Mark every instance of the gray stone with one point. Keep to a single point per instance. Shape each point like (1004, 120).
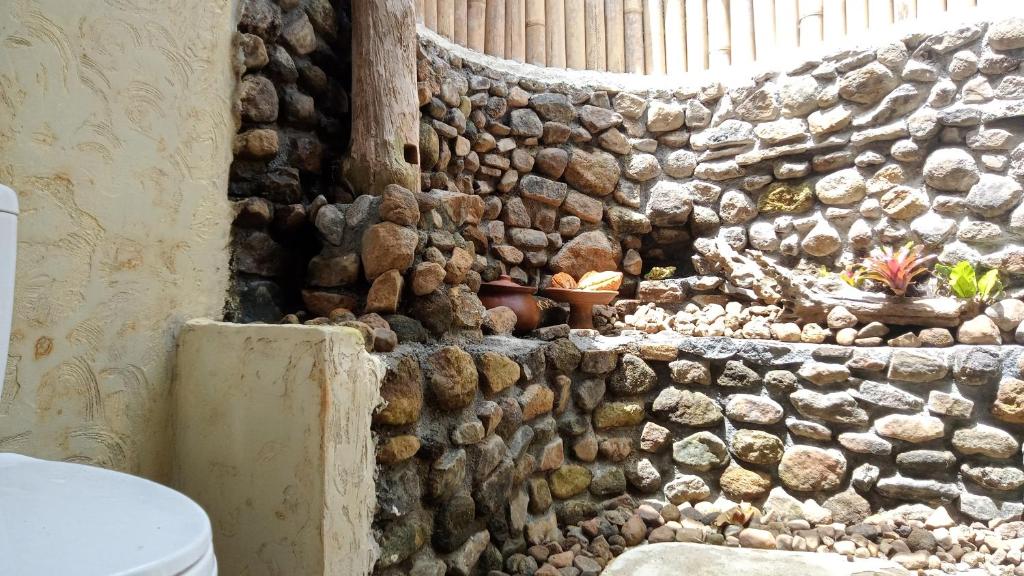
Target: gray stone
(753, 409)
(902, 488)
(701, 451)
(887, 396)
(838, 407)
(919, 366)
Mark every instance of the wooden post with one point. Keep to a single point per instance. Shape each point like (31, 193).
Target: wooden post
(879, 15)
(764, 30)
(595, 36)
(633, 20)
(741, 25)
(675, 37)
(696, 36)
(446, 18)
(495, 43)
(385, 136)
(810, 23)
(515, 31)
(535, 40)
(719, 41)
(834, 23)
(461, 22)
(654, 37)
(903, 10)
(430, 14)
(787, 36)
(856, 18)
(555, 33)
(615, 29)
(575, 35)
(476, 24)
(419, 11)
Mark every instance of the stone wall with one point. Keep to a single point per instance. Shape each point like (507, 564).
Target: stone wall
(294, 60)
(487, 449)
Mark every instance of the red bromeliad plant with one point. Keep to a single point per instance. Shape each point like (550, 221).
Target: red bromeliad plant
(896, 269)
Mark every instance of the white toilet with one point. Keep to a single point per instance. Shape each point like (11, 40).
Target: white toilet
(61, 519)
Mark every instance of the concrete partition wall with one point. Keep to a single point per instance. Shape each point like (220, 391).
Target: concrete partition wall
(273, 441)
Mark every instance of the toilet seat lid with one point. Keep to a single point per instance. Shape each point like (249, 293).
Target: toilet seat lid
(78, 520)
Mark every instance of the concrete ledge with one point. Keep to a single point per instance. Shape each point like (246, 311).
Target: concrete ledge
(273, 440)
(704, 560)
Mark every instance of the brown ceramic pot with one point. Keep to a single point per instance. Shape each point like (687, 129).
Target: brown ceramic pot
(581, 303)
(505, 292)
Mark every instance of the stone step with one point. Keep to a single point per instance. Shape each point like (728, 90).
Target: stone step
(668, 559)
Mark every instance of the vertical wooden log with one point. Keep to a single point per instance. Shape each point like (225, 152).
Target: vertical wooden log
(879, 15)
(385, 109)
(446, 18)
(675, 37)
(595, 36)
(741, 26)
(615, 29)
(696, 36)
(575, 35)
(856, 18)
(476, 24)
(419, 11)
(535, 33)
(719, 37)
(833, 23)
(810, 23)
(903, 10)
(462, 22)
(633, 21)
(430, 14)
(495, 43)
(787, 34)
(555, 32)
(515, 31)
(654, 37)
(764, 30)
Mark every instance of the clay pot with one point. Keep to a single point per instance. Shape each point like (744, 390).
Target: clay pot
(505, 292)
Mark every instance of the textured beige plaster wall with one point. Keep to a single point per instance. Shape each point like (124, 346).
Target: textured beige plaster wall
(276, 445)
(115, 130)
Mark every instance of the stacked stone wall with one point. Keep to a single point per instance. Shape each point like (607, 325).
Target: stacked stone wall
(488, 449)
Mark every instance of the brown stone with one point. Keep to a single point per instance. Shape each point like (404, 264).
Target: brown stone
(500, 320)
(499, 371)
(536, 400)
(453, 378)
(399, 205)
(592, 250)
(810, 469)
(427, 277)
(257, 144)
(397, 449)
(458, 265)
(388, 246)
(595, 173)
(402, 392)
(258, 99)
(1009, 405)
(738, 483)
(385, 293)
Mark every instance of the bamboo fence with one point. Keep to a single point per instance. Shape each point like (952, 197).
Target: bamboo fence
(670, 36)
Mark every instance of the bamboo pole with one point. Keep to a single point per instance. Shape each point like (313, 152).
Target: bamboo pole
(595, 35)
(903, 10)
(879, 15)
(741, 30)
(764, 30)
(476, 24)
(575, 35)
(833, 22)
(515, 30)
(719, 41)
(787, 35)
(555, 32)
(675, 37)
(810, 23)
(962, 6)
(419, 11)
(446, 18)
(430, 14)
(654, 37)
(696, 36)
(535, 33)
(933, 7)
(633, 21)
(615, 29)
(856, 18)
(495, 44)
(461, 22)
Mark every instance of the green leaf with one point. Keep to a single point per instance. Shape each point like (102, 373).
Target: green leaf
(962, 280)
(989, 285)
(942, 270)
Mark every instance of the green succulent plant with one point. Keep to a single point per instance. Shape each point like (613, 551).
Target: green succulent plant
(963, 281)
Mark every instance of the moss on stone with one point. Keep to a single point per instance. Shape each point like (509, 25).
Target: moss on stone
(784, 198)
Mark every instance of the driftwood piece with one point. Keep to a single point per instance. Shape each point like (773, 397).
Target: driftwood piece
(742, 271)
(813, 304)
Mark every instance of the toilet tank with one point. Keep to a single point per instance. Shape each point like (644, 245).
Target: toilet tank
(8, 251)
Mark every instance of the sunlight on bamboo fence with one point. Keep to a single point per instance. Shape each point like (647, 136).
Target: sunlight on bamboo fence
(671, 36)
